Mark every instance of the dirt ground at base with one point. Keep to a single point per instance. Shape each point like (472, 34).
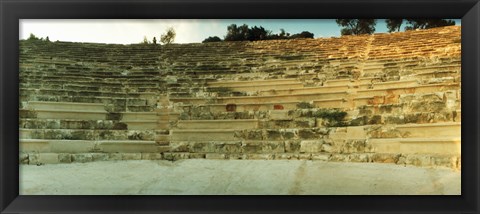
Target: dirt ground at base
(236, 177)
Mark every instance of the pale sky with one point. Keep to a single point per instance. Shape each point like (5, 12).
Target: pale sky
(128, 31)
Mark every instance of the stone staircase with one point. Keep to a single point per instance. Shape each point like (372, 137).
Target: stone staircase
(369, 98)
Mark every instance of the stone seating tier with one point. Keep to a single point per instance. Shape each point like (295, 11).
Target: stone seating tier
(84, 102)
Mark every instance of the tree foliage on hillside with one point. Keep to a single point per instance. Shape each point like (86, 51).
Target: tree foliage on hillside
(394, 24)
(427, 23)
(357, 26)
(412, 24)
(236, 33)
(212, 39)
(245, 33)
(168, 37)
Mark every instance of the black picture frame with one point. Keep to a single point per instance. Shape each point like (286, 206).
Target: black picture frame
(13, 10)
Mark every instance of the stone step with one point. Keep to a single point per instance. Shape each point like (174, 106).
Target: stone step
(332, 103)
(145, 124)
(84, 146)
(395, 84)
(70, 114)
(85, 134)
(139, 116)
(433, 68)
(202, 135)
(36, 123)
(251, 88)
(430, 130)
(253, 82)
(229, 147)
(304, 90)
(374, 100)
(66, 106)
(431, 145)
(84, 99)
(217, 124)
(263, 99)
(63, 92)
(347, 82)
(408, 90)
(269, 106)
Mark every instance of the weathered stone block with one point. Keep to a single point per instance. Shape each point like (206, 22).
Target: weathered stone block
(307, 134)
(339, 157)
(260, 156)
(279, 115)
(305, 123)
(229, 147)
(231, 107)
(176, 156)
(292, 146)
(446, 161)
(395, 119)
(305, 156)
(358, 121)
(48, 158)
(321, 157)
(385, 158)
(215, 156)
(237, 156)
(263, 147)
(375, 119)
(177, 146)
(131, 156)
(255, 135)
(65, 158)
(311, 146)
(288, 134)
(360, 158)
(326, 148)
(163, 149)
(114, 116)
(286, 156)
(273, 135)
(82, 157)
(279, 124)
(206, 147)
(100, 157)
(120, 126)
(114, 156)
(355, 146)
(419, 160)
(197, 156)
(152, 156)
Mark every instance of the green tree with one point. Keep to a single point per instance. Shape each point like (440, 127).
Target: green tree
(33, 37)
(427, 23)
(168, 37)
(212, 39)
(235, 33)
(303, 34)
(257, 33)
(357, 26)
(394, 24)
(412, 24)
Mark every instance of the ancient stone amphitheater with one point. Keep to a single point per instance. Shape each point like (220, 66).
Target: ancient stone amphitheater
(390, 98)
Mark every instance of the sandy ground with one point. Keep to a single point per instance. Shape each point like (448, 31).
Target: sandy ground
(235, 177)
